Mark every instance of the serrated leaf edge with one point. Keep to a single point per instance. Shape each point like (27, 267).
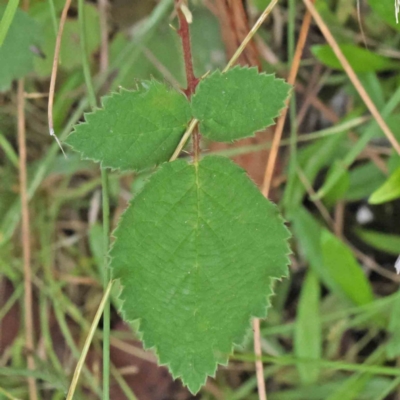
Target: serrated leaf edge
(97, 109)
(246, 326)
(251, 69)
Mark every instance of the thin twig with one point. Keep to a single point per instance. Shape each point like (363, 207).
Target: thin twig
(184, 139)
(360, 24)
(262, 391)
(26, 248)
(88, 341)
(281, 122)
(271, 165)
(54, 72)
(352, 75)
(250, 35)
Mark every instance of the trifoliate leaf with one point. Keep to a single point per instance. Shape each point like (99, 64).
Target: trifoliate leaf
(196, 252)
(134, 129)
(238, 103)
(17, 50)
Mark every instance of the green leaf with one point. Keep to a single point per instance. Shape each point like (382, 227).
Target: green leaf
(360, 59)
(16, 53)
(196, 252)
(134, 129)
(345, 270)
(308, 338)
(386, 10)
(308, 232)
(389, 191)
(393, 344)
(312, 159)
(381, 241)
(339, 189)
(7, 18)
(364, 179)
(238, 103)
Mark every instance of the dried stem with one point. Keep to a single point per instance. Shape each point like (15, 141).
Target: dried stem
(250, 35)
(281, 122)
(262, 391)
(104, 59)
(54, 71)
(352, 75)
(267, 183)
(26, 248)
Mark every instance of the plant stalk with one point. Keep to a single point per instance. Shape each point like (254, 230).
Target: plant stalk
(192, 81)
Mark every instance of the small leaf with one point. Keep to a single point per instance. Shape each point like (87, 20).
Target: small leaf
(360, 59)
(339, 189)
(389, 191)
(134, 129)
(393, 344)
(196, 252)
(238, 103)
(331, 259)
(345, 270)
(16, 53)
(382, 241)
(364, 179)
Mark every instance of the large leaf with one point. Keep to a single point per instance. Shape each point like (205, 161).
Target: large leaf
(196, 252)
(134, 129)
(360, 59)
(17, 50)
(238, 103)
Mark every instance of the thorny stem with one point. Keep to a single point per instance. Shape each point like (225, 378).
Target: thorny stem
(192, 81)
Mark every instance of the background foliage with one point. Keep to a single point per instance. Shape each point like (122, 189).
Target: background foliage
(333, 329)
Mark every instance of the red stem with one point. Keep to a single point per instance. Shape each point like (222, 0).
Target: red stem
(192, 81)
(184, 33)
